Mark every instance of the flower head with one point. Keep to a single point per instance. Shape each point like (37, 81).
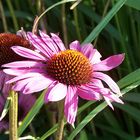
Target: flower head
(7, 40)
(68, 74)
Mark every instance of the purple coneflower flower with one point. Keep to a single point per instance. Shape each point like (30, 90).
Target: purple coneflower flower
(25, 102)
(68, 74)
(7, 55)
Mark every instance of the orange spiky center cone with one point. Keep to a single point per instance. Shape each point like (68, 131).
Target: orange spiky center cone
(7, 40)
(70, 67)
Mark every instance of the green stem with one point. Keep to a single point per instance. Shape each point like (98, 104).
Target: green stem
(64, 26)
(61, 122)
(11, 9)
(48, 9)
(103, 15)
(3, 17)
(77, 24)
(13, 115)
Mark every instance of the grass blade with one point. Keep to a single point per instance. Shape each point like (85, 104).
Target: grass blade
(95, 32)
(29, 117)
(134, 4)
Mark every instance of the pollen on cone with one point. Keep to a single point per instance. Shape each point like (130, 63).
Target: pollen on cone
(7, 40)
(70, 67)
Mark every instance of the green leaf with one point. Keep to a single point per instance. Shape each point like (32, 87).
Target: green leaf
(131, 78)
(131, 110)
(132, 97)
(50, 132)
(138, 138)
(118, 132)
(89, 12)
(6, 108)
(83, 135)
(29, 117)
(134, 4)
(95, 32)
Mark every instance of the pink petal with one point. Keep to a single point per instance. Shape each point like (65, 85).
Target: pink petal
(108, 80)
(88, 93)
(58, 42)
(115, 98)
(20, 85)
(71, 105)
(96, 83)
(39, 44)
(49, 42)
(109, 102)
(109, 63)
(110, 95)
(96, 57)
(20, 77)
(15, 72)
(88, 51)
(75, 45)
(20, 64)
(56, 93)
(36, 84)
(21, 71)
(31, 85)
(27, 53)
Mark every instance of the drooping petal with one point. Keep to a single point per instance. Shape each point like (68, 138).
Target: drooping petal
(115, 98)
(105, 92)
(56, 93)
(71, 105)
(88, 93)
(27, 53)
(75, 45)
(109, 63)
(58, 42)
(39, 44)
(21, 64)
(108, 80)
(110, 97)
(108, 102)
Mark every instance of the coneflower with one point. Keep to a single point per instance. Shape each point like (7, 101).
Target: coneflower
(7, 40)
(68, 74)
